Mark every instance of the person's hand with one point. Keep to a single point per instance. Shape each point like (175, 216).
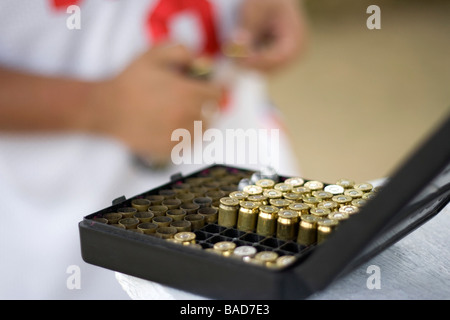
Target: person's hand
(151, 98)
(271, 32)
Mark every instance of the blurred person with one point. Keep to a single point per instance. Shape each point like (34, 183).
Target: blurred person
(77, 103)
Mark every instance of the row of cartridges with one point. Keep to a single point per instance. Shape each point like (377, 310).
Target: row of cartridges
(295, 210)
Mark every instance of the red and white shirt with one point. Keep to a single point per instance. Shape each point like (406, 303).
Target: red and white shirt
(34, 34)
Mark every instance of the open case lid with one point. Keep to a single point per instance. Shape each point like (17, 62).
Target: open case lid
(418, 190)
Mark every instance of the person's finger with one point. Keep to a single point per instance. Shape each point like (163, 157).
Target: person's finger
(284, 47)
(252, 22)
(287, 37)
(174, 54)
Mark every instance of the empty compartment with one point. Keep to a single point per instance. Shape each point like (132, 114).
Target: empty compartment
(291, 247)
(233, 233)
(240, 243)
(272, 242)
(216, 239)
(205, 245)
(213, 228)
(262, 248)
(252, 237)
(201, 235)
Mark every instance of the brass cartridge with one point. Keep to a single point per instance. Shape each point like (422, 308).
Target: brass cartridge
(320, 212)
(354, 193)
(280, 203)
(129, 223)
(342, 199)
(225, 248)
(253, 189)
(228, 212)
(369, 195)
(300, 207)
(100, 220)
(287, 225)
(185, 197)
(127, 212)
(166, 232)
(314, 185)
(158, 210)
(312, 202)
(273, 194)
(202, 201)
(247, 216)
(167, 193)
(359, 203)
(283, 187)
(324, 229)
(140, 204)
(239, 195)
(364, 187)
(345, 183)
(267, 258)
(181, 225)
(322, 195)
(349, 209)
(189, 207)
(145, 216)
(176, 214)
(260, 199)
(147, 227)
(209, 213)
(155, 199)
(198, 191)
(284, 261)
(302, 190)
(244, 252)
(197, 221)
(307, 233)
(211, 185)
(112, 217)
(215, 195)
(194, 181)
(332, 205)
(294, 197)
(162, 221)
(171, 203)
(339, 216)
(185, 237)
(294, 182)
(267, 221)
(265, 183)
(215, 205)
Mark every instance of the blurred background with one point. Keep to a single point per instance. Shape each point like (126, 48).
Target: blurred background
(359, 100)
